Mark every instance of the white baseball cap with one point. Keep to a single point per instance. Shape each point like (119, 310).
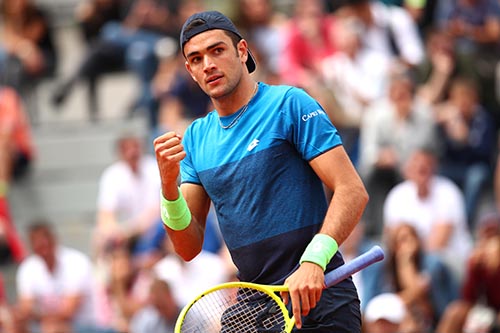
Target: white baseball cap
(386, 306)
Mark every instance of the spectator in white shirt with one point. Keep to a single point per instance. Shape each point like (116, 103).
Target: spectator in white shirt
(54, 285)
(434, 205)
(129, 200)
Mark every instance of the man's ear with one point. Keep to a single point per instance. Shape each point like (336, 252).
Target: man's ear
(243, 50)
(188, 68)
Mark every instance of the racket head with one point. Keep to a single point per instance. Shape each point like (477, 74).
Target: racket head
(236, 307)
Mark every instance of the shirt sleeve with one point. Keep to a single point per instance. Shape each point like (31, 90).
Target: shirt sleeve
(312, 132)
(23, 282)
(107, 198)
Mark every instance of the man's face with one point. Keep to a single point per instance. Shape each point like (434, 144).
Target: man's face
(214, 63)
(420, 168)
(130, 150)
(43, 244)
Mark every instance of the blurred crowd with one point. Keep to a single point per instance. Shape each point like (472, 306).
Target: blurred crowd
(413, 86)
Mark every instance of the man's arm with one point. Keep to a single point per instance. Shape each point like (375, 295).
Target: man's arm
(346, 207)
(350, 197)
(189, 240)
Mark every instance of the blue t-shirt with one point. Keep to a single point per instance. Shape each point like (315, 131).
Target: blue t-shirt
(269, 201)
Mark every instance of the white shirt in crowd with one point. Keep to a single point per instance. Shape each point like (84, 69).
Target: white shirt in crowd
(72, 276)
(445, 204)
(123, 192)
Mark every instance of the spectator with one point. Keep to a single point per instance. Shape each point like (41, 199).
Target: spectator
(390, 130)
(54, 285)
(424, 283)
(128, 44)
(124, 292)
(478, 308)
(440, 66)
(467, 133)
(161, 312)
(357, 76)
(388, 29)
(27, 51)
(475, 26)
(128, 202)
(92, 15)
(307, 41)
(179, 102)
(263, 26)
(434, 206)
(16, 155)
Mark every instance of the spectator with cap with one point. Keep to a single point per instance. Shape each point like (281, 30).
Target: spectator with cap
(384, 313)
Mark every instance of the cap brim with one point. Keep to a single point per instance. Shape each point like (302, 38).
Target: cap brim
(251, 63)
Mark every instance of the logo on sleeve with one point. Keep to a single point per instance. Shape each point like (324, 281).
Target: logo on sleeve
(313, 114)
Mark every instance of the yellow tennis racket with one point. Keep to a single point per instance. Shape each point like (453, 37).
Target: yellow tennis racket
(241, 307)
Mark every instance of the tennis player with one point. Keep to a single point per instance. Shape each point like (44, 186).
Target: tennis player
(262, 157)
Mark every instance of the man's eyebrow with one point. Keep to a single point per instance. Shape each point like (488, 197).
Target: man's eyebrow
(208, 48)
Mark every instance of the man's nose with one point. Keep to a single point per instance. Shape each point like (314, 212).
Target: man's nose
(208, 64)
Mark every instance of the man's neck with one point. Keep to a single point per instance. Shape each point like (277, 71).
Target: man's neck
(240, 96)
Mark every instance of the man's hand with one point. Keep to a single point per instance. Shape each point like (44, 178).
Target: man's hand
(304, 290)
(169, 152)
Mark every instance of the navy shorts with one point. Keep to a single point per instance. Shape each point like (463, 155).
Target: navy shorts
(338, 311)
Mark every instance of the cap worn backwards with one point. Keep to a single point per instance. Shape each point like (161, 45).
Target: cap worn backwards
(211, 20)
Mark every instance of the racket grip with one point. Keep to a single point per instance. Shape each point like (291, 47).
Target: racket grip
(371, 256)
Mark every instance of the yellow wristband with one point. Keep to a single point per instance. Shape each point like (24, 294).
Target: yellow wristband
(175, 214)
(320, 250)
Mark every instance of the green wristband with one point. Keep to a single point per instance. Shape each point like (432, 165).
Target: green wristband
(175, 214)
(320, 250)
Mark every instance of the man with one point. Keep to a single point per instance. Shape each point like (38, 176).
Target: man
(262, 157)
(127, 204)
(54, 285)
(434, 205)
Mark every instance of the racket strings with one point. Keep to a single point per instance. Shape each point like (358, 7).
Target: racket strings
(234, 310)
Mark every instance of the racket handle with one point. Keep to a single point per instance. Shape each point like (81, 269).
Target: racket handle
(371, 256)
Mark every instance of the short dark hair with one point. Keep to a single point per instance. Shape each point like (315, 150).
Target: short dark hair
(41, 225)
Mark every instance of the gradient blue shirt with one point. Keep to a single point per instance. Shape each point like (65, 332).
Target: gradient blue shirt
(268, 199)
